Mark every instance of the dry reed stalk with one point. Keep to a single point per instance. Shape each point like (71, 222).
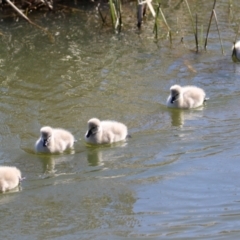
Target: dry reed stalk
(220, 39)
(205, 45)
(165, 21)
(194, 30)
(31, 22)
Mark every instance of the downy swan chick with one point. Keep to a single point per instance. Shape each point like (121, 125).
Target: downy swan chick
(185, 97)
(236, 52)
(54, 140)
(105, 132)
(10, 178)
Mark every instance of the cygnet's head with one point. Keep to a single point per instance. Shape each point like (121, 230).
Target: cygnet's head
(46, 134)
(93, 127)
(175, 93)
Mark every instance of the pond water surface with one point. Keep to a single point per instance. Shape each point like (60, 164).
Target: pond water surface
(176, 178)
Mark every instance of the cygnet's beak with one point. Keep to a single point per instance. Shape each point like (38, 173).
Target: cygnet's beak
(173, 99)
(234, 52)
(45, 142)
(89, 133)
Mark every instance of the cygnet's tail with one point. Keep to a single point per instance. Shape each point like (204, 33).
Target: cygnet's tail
(128, 136)
(21, 179)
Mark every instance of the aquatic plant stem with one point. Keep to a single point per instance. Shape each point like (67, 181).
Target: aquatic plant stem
(100, 14)
(194, 31)
(165, 21)
(18, 11)
(215, 16)
(119, 15)
(201, 36)
(155, 28)
(48, 4)
(209, 25)
(141, 11)
(26, 18)
(115, 9)
(237, 33)
(151, 7)
(113, 12)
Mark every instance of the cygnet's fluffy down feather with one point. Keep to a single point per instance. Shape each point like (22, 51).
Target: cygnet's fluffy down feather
(10, 178)
(105, 132)
(54, 140)
(185, 97)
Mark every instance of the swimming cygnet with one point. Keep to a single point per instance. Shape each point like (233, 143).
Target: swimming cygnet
(185, 97)
(10, 178)
(105, 132)
(236, 52)
(54, 140)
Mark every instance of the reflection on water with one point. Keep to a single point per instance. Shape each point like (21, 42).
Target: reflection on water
(50, 162)
(14, 190)
(97, 155)
(94, 157)
(177, 177)
(179, 116)
(9, 196)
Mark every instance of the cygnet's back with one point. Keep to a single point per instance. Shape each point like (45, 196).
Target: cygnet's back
(62, 140)
(54, 140)
(186, 97)
(9, 178)
(105, 132)
(115, 131)
(193, 96)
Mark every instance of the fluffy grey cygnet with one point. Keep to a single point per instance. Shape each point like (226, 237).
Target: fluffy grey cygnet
(54, 140)
(186, 97)
(10, 178)
(105, 132)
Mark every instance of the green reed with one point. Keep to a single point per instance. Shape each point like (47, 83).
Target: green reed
(116, 16)
(155, 29)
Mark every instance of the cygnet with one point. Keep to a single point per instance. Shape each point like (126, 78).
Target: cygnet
(54, 140)
(185, 97)
(105, 132)
(10, 178)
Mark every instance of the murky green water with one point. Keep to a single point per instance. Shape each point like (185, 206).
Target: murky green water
(176, 178)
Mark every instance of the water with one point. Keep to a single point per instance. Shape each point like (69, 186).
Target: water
(176, 178)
